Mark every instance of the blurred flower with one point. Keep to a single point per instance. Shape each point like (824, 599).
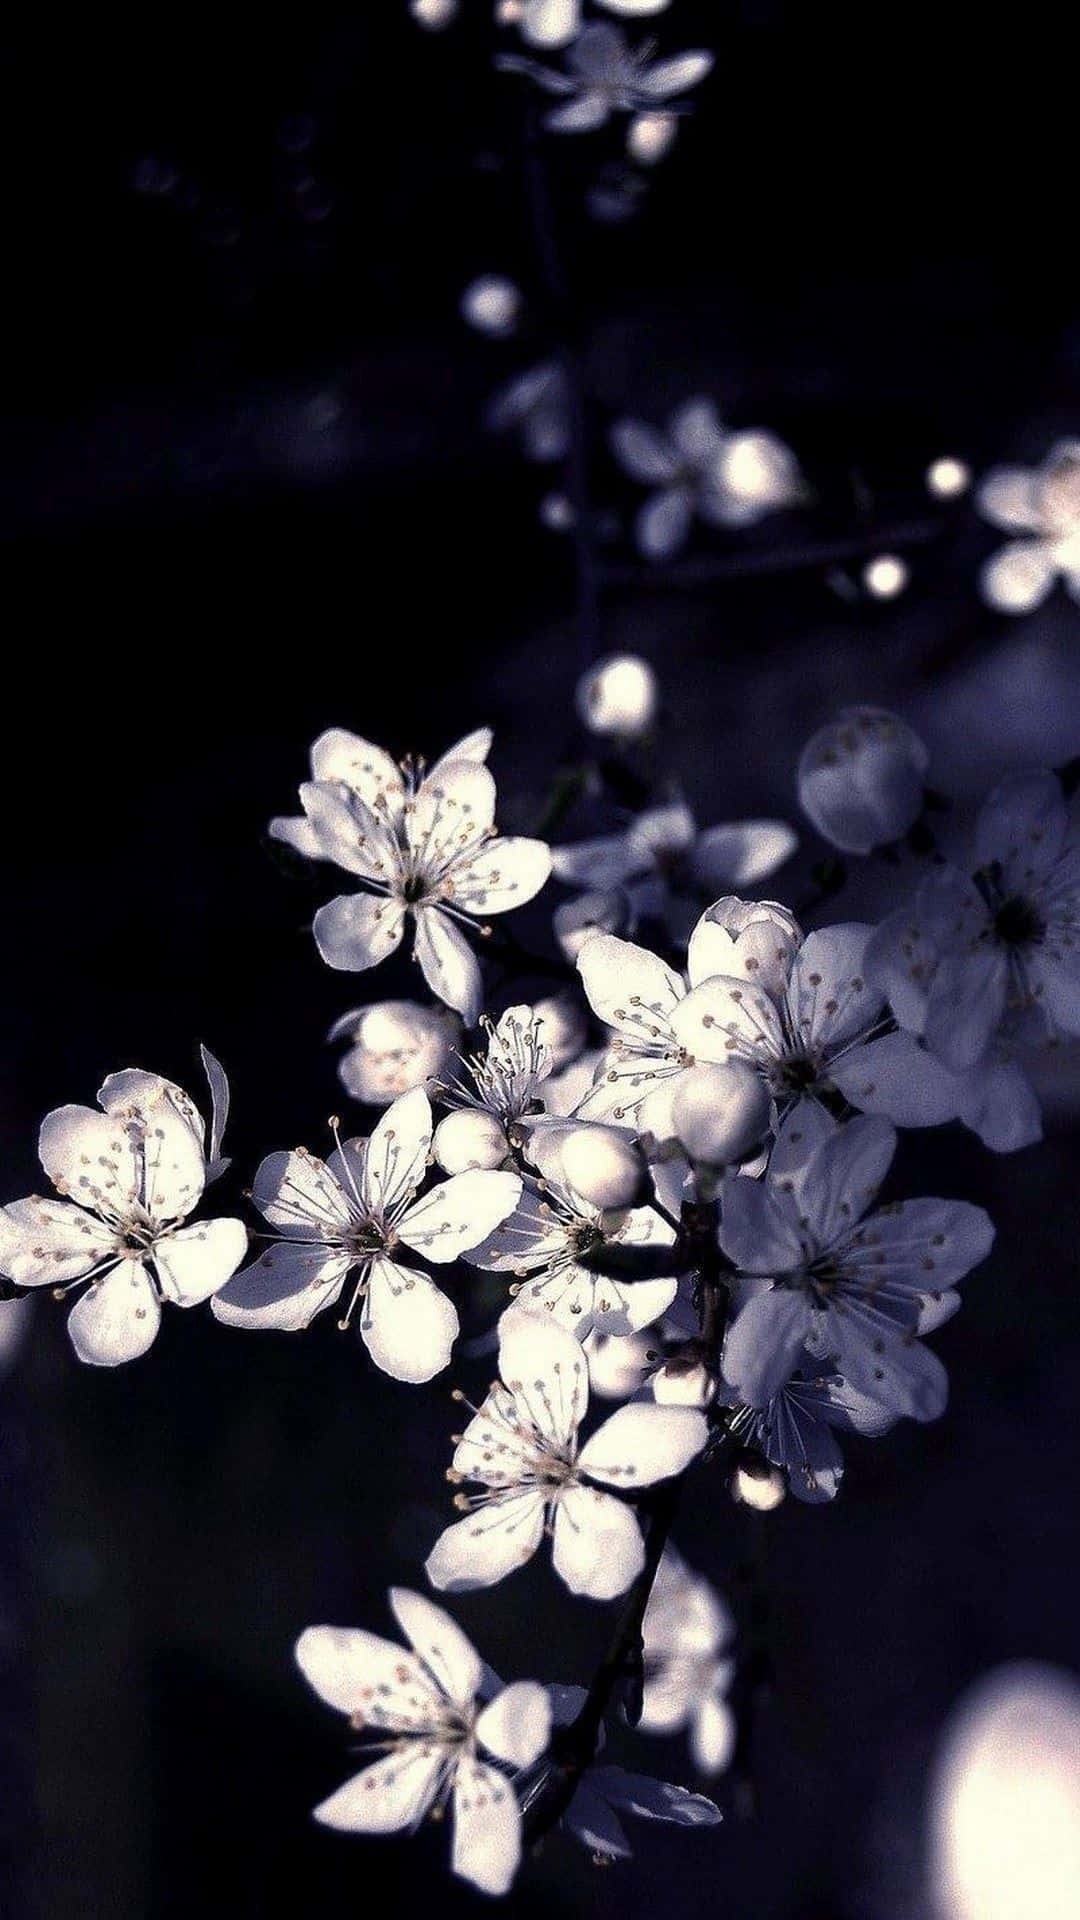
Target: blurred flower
(434, 14)
(618, 696)
(821, 1276)
(948, 478)
(131, 1175)
(604, 76)
(1005, 1799)
(667, 865)
(353, 1214)
(756, 1484)
(1043, 505)
(492, 304)
(396, 1045)
(426, 1711)
(535, 404)
(860, 779)
(699, 467)
(521, 1447)
(422, 844)
(650, 136)
(885, 576)
(685, 1630)
(548, 1241)
(577, 921)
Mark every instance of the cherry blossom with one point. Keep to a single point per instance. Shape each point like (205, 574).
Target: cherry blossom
(428, 1716)
(522, 1447)
(796, 1428)
(701, 468)
(1041, 506)
(825, 1273)
(603, 75)
(535, 405)
(423, 845)
(358, 1213)
(395, 1045)
(128, 1178)
(860, 779)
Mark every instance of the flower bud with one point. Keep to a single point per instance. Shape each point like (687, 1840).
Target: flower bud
(577, 920)
(396, 1045)
(683, 1381)
(721, 1114)
(618, 1363)
(603, 1165)
(861, 779)
(618, 696)
(492, 305)
(757, 1484)
(469, 1138)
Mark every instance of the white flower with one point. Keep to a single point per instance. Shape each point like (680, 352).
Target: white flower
(426, 1714)
(699, 467)
(357, 1213)
(396, 1045)
(1042, 504)
(604, 76)
(618, 696)
(821, 1276)
(686, 1629)
(667, 865)
(535, 404)
(645, 1002)
(549, 1240)
(522, 1447)
(421, 845)
(554, 23)
(129, 1176)
(992, 951)
(860, 779)
(505, 1079)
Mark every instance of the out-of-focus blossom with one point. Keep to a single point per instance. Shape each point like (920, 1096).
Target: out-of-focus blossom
(885, 576)
(549, 1241)
(1005, 1799)
(796, 1428)
(434, 14)
(577, 921)
(603, 75)
(522, 1448)
(698, 467)
(492, 304)
(554, 23)
(423, 845)
(667, 866)
(651, 136)
(860, 779)
(437, 1723)
(948, 477)
(685, 1633)
(129, 1176)
(824, 1274)
(1042, 506)
(535, 405)
(396, 1045)
(618, 697)
(990, 953)
(563, 1028)
(353, 1214)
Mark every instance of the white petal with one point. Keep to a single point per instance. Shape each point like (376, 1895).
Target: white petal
(597, 1547)
(438, 1640)
(501, 875)
(284, 1288)
(393, 1793)
(713, 1732)
(843, 1176)
(487, 1545)
(298, 833)
(516, 1725)
(744, 854)
(46, 1243)
(828, 988)
(751, 940)
(487, 1827)
(90, 1156)
(357, 930)
(666, 77)
(117, 1318)
(640, 1444)
(629, 988)
(367, 769)
(1018, 577)
(764, 1342)
(354, 1671)
(349, 833)
(602, 863)
(407, 1326)
(1009, 498)
(583, 115)
(459, 1213)
(397, 1153)
(453, 809)
(472, 746)
(192, 1264)
(448, 964)
(697, 431)
(662, 525)
(644, 453)
(545, 1369)
(299, 1196)
(898, 1077)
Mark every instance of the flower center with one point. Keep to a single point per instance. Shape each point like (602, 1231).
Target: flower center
(1016, 923)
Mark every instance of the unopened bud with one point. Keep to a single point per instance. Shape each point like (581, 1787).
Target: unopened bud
(469, 1138)
(603, 1165)
(757, 1484)
(721, 1114)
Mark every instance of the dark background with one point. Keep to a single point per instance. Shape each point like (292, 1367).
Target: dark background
(246, 496)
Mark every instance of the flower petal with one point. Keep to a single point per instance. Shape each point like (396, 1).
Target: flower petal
(284, 1288)
(439, 1642)
(397, 1153)
(361, 1674)
(448, 964)
(644, 453)
(629, 988)
(117, 1318)
(47, 1243)
(91, 1157)
(764, 1342)
(393, 1793)
(459, 1213)
(516, 1725)
(192, 1264)
(487, 1827)
(597, 1549)
(408, 1326)
(358, 930)
(1019, 577)
(640, 1444)
(501, 875)
(487, 1545)
(743, 854)
(299, 1196)
(547, 1373)
(662, 524)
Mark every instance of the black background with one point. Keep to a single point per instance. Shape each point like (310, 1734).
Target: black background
(247, 496)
